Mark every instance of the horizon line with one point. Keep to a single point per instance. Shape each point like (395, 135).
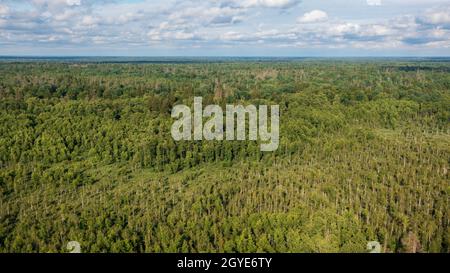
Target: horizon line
(223, 56)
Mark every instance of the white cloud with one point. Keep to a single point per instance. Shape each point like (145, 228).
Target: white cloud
(89, 20)
(437, 16)
(4, 10)
(73, 2)
(378, 30)
(415, 2)
(313, 17)
(374, 2)
(217, 24)
(56, 3)
(204, 14)
(270, 3)
(344, 28)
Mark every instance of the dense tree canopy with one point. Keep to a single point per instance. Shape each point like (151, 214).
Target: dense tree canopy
(86, 154)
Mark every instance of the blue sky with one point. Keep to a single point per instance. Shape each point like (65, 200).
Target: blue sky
(225, 27)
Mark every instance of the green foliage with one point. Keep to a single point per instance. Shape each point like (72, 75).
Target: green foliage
(86, 155)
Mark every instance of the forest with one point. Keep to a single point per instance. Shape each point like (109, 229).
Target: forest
(86, 155)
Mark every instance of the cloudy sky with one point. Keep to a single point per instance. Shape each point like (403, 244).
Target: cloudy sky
(225, 27)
